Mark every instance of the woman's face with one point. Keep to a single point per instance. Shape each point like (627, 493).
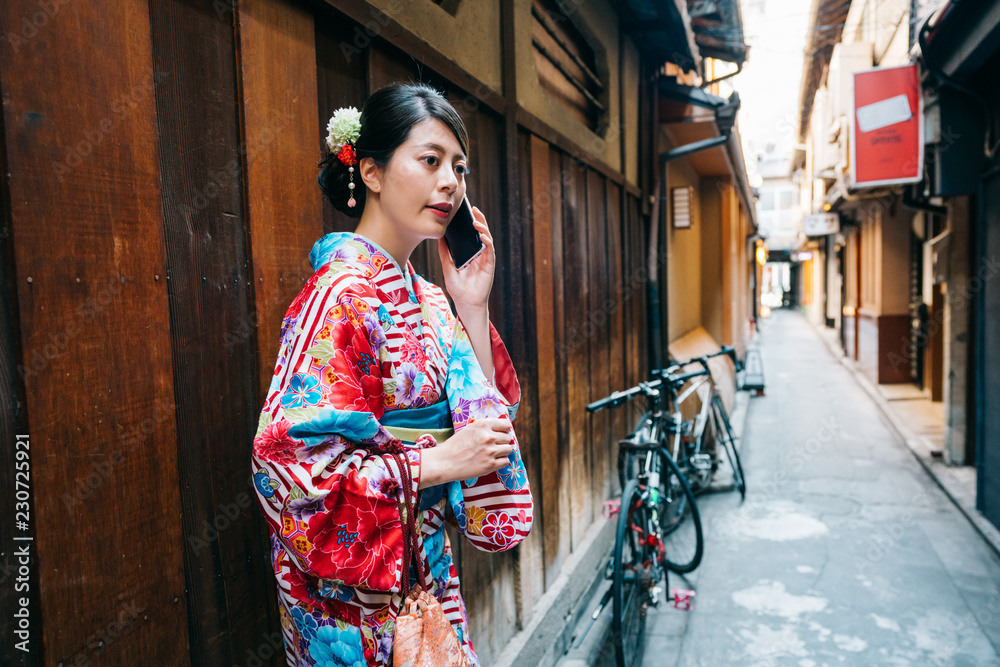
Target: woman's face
(427, 170)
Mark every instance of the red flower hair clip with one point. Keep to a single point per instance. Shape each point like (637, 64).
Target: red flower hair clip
(347, 155)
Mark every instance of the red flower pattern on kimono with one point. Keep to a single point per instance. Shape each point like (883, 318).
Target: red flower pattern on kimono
(358, 385)
(412, 351)
(274, 444)
(357, 538)
(498, 528)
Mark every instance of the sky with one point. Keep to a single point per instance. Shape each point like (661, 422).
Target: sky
(769, 83)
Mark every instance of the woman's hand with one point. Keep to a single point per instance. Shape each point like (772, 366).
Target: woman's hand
(470, 287)
(478, 449)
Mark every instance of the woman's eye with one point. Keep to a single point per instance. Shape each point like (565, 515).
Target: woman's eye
(462, 169)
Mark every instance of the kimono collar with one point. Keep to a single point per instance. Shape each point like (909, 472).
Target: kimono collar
(365, 255)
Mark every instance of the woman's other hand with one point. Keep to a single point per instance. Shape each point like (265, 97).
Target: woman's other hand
(470, 287)
(478, 449)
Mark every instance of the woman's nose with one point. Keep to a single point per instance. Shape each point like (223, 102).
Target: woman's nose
(448, 180)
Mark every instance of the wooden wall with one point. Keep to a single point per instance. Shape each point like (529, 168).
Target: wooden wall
(157, 211)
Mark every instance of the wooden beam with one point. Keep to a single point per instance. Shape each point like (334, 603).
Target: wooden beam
(278, 85)
(548, 399)
(577, 346)
(597, 328)
(559, 280)
(230, 585)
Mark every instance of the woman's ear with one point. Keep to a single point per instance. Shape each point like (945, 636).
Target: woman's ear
(371, 173)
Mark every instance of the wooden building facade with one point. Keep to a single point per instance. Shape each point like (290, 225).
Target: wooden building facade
(158, 205)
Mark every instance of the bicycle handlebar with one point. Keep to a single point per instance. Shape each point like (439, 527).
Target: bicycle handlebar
(619, 397)
(727, 350)
(648, 388)
(678, 380)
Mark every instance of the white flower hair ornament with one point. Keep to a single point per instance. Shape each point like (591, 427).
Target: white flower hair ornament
(343, 131)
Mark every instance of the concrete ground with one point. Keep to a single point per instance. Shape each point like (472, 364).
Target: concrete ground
(845, 551)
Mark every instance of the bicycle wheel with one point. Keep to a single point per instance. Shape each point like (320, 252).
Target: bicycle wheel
(633, 564)
(724, 433)
(680, 521)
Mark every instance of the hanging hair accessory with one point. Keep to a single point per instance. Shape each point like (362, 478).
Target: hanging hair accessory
(343, 131)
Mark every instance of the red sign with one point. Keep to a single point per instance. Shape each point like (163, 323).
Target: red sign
(887, 133)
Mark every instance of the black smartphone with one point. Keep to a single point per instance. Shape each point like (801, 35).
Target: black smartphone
(463, 239)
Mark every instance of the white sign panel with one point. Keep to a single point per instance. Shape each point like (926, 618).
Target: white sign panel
(885, 113)
(820, 224)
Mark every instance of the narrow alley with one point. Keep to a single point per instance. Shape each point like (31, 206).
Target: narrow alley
(334, 326)
(845, 550)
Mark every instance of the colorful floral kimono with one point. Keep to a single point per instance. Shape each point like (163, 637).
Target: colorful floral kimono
(364, 345)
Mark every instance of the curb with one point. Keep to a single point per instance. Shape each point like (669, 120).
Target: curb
(939, 471)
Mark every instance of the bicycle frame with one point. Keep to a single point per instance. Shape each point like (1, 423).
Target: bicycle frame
(698, 461)
(668, 400)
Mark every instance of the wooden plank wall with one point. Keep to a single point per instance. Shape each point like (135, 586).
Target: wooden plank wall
(575, 266)
(621, 294)
(13, 428)
(90, 270)
(278, 82)
(342, 83)
(529, 344)
(564, 510)
(227, 561)
(599, 287)
(180, 188)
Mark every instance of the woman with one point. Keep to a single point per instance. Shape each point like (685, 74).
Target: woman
(387, 415)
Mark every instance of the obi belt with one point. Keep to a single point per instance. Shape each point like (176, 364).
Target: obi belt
(408, 425)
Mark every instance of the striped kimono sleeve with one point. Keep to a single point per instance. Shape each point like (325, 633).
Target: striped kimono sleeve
(328, 491)
(495, 510)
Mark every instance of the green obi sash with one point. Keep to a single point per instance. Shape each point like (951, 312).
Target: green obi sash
(408, 425)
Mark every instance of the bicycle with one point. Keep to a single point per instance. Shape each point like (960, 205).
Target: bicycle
(656, 506)
(690, 449)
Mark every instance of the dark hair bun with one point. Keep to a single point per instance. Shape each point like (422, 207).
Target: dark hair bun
(333, 180)
(387, 117)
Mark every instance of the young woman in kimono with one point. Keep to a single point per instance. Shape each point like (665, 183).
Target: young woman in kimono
(387, 414)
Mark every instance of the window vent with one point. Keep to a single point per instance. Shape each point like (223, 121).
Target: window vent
(682, 199)
(567, 63)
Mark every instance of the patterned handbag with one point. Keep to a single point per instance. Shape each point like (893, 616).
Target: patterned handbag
(424, 636)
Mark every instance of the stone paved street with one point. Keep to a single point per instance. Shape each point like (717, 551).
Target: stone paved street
(845, 551)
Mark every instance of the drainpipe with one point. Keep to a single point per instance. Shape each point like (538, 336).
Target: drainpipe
(739, 68)
(655, 343)
(688, 149)
(658, 220)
